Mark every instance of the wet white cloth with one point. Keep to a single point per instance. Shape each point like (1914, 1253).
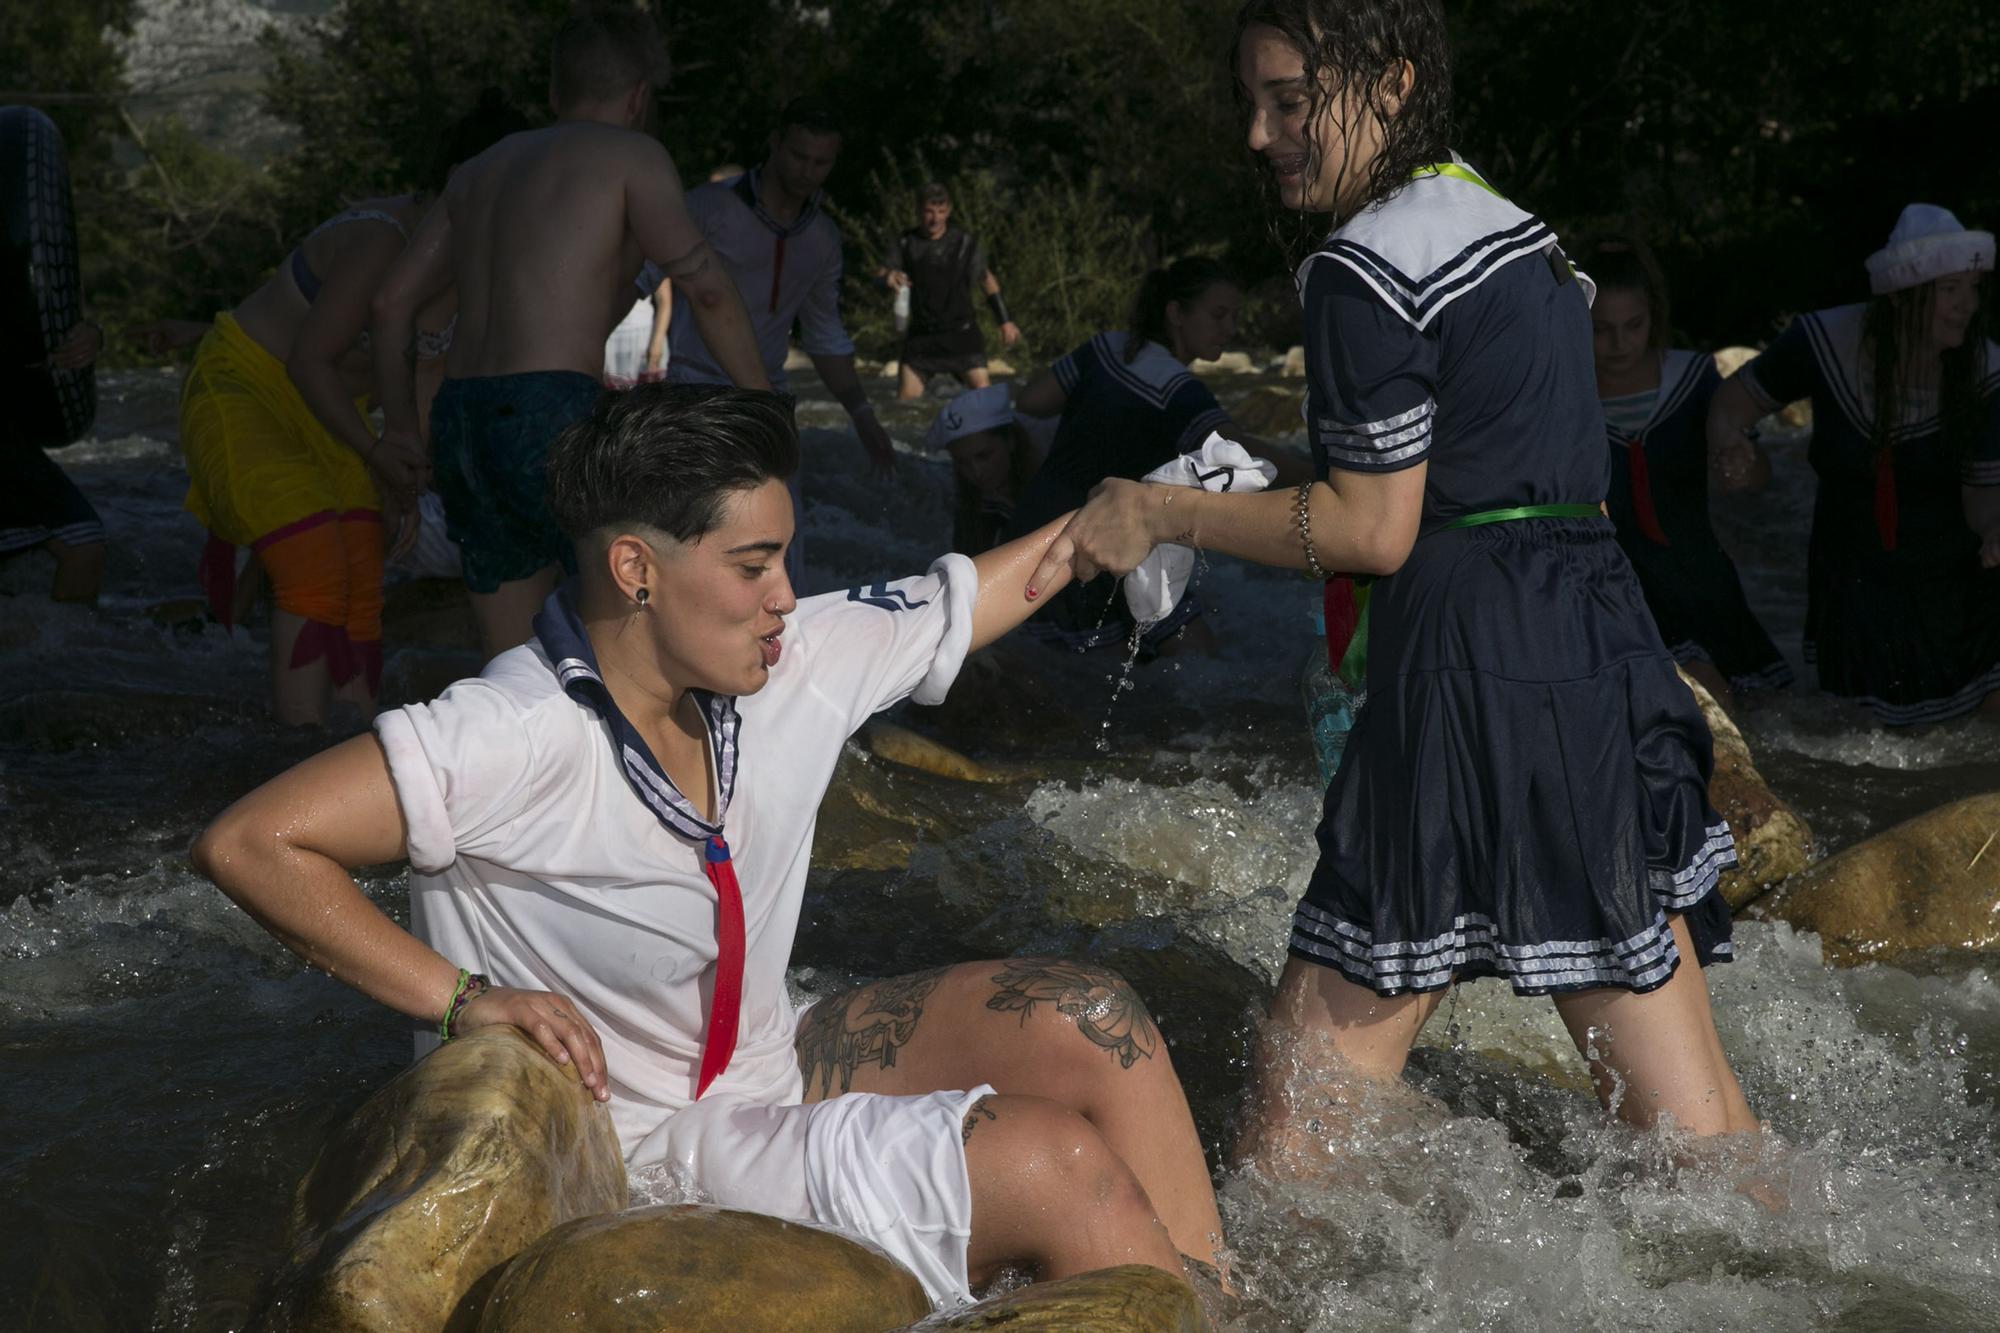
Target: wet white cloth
(625, 349)
(533, 861)
(1155, 587)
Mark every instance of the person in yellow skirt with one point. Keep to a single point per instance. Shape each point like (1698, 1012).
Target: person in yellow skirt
(281, 458)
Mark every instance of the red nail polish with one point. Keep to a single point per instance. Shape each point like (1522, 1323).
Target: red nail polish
(1032, 594)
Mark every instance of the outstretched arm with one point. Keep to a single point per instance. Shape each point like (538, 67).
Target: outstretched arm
(844, 383)
(421, 272)
(656, 210)
(1360, 523)
(1004, 572)
(1734, 459)
(282, 852)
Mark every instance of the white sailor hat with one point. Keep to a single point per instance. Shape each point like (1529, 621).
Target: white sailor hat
(1928, 243)
(973, 411)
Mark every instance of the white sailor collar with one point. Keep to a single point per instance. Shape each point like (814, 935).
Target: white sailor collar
(1434, 240)
(1835, 338)
(560, 630)
(1681, 372)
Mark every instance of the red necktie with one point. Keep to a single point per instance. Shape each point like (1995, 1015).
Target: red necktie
(720, 1043)
(1642, 493)
(1343, 617)
(1886, 518)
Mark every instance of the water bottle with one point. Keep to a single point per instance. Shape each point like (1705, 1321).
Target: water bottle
(1330, 705)
(903, 308)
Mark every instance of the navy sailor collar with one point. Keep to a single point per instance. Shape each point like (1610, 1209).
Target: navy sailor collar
(560, 632)
(745, 188)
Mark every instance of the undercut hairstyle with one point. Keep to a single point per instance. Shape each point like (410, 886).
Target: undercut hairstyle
(812, 113)
(934, 193)
(1182, 281)
(1625, 263)
(492, 119)
(1357, 47)
(1896, 322)
(668, 457)
(602, 52)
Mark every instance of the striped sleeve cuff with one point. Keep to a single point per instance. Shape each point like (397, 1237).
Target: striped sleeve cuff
(1981, 472)
(1748, 374)
(1196, 431)
(1391, 442)
(1065, 372)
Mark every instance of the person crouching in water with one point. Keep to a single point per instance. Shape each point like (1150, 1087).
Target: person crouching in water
(1903, 570)
(609, 832)
(991, 459)
(1656, 401)
(1525, 793)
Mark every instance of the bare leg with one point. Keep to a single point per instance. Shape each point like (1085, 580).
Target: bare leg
(79, 571)
(1657, 1054)
(1049, 1193)
(1713, 681)
(506, 616)
(298, 694)
(1072, 1033)
(1330, 1047)
(909, 384)
(977, 378)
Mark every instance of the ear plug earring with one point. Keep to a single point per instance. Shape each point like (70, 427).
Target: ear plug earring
(640, 596)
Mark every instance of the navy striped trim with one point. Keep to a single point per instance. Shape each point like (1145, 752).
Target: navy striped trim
(1774, 676)
(1420, 299)
(1391, 439)
(1133, 378)
(1066, 371)
(1640, 963)
(1679, 377)
(1197, 430)
(1981, 472)
(74, 534)
(1960, 702)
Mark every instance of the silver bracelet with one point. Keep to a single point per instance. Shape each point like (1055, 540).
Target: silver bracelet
(1313, 565)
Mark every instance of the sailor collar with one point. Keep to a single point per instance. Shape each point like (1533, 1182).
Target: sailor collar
(1439, 237)
(560, 632)
(744, 187)
(1680, 373)
(1835, 338)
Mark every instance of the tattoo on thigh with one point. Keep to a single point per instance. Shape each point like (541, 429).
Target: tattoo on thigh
(973, 1116)
(1105, 1007)
(864, 1026)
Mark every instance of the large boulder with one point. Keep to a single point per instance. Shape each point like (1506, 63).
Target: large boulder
(1130, 1299)
(1928, 883)
(457, 1165)
(691, 1268)
(1772, 839)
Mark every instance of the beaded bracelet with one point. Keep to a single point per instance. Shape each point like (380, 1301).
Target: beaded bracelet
(1313, 565)
(471, 985)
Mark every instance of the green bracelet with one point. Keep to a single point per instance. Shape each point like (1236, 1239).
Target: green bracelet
(470, 986)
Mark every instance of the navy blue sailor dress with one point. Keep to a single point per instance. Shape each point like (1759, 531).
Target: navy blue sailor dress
(1525, 792)
(1900, 617)
(1659, 503)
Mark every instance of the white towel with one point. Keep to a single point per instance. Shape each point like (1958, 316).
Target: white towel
(1153, 589)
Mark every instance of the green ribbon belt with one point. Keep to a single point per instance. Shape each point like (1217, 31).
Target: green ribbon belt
(1354, 662)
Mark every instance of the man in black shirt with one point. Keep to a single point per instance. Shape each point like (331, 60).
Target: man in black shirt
(939, 263)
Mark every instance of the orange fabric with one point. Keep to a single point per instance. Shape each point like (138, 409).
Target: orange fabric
(328, 569)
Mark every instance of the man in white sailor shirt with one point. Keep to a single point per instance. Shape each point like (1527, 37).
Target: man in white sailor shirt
(609, 832)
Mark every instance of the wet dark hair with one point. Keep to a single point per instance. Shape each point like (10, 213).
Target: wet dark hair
(1358, 44)
(812, 113)
(601, 52)
(492, 119)
(1627, 264)
(1897, 321)
(668, 456)
(1181, 281)
(933, 193)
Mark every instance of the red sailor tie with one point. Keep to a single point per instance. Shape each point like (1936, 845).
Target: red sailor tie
(1642, 493)
(720, 1043)
(1887, 519)
(1343, 617)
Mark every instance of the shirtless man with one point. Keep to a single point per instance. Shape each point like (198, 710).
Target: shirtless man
(543, 234)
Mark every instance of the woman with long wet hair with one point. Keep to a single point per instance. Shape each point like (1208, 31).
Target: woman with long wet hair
(1525, 791)
(1903, 582)
(1656, 400)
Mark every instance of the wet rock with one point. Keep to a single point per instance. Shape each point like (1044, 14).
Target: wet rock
(998, 366)
(1130, 1299)
(449, 1171)
(693, 1268)
(1269, 410)
(1772, 839)
(1929, 883)
(1293, 366)
(1229, 363)
(900, 745)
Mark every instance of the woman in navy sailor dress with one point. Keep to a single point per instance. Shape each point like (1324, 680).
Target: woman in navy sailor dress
(1655, 401)
(1903, 565)
(1524, 794)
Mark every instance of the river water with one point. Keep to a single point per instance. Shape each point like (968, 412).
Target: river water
(169, 1071)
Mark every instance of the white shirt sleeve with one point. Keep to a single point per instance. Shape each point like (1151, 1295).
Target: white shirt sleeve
(820, 330)
(464, 769)
(868, 648)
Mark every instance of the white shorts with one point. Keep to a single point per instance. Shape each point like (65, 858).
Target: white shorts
(890, 1170)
